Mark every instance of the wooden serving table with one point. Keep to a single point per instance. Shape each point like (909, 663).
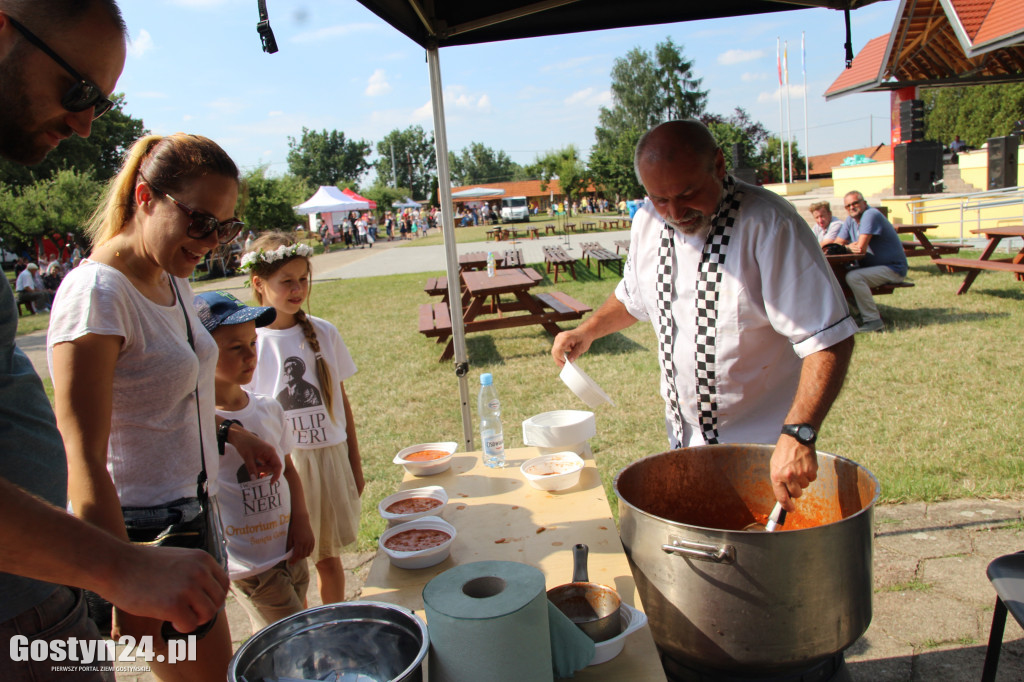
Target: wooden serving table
(498, 515)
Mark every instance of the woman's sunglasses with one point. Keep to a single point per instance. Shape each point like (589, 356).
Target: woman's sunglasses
(84, 94)
(201, 224)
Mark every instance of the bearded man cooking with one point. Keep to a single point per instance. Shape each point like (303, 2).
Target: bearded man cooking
(754, 334)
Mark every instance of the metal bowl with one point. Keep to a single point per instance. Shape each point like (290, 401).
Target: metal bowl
(364, 641)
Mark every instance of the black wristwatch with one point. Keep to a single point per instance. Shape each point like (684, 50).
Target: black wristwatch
(804, 433)
(222, 433)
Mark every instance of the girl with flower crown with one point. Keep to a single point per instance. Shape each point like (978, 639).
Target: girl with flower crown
(304, 363)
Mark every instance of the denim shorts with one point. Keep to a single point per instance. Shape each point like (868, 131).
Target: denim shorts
(57, 618)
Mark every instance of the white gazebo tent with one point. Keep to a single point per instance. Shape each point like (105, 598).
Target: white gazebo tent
(328, 199)
(478, 193)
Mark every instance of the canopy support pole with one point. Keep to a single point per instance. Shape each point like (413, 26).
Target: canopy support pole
(444, 185)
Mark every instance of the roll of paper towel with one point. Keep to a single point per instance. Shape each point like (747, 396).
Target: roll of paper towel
(488, 622)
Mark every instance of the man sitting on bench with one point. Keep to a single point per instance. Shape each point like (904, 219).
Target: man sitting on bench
(884, 263)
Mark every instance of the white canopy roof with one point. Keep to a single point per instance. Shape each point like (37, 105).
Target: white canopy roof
(406, 203)
(475, 192)
(329, 199)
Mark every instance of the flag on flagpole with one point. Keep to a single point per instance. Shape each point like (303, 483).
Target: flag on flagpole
(785, 63)
(803, 53)
(778, 58)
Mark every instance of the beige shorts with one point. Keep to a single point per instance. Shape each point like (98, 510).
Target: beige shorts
(276, 593)
(331, 498)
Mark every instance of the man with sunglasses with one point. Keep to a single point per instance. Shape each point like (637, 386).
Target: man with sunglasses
(869, 232)
(59, 61)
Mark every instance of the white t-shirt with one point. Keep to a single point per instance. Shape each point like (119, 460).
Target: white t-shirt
(153, 452)
(829, 233)
(286, 371)
(256, 513)
(778, 303)
(26, 281)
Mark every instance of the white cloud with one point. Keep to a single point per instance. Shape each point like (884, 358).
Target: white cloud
(795, 92)
(424, 113)
(484, 103)
(588, 97)
(329, 32)
(377, 84)
(739, 56)
(141, 44)
(458, 97)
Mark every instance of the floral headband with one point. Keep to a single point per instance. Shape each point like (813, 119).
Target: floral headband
(280, 253)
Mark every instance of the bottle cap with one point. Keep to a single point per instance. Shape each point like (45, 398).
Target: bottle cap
(486, 379)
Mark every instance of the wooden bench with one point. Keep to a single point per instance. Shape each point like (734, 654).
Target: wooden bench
(589, 226)
(549, 229)
(495, 233)
(570, 227)
(889, 288)
(601, 255)
(555, 256)
(435, 321)
(436, 286)
(563, 304)
(513, 259)
(964, 264)
(534, 232)
(622, 244)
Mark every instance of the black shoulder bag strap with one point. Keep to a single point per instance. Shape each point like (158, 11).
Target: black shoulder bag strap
(202, 486)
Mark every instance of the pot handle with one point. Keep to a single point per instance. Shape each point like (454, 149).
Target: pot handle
(719, 554)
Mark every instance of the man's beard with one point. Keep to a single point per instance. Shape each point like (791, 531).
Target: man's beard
(701, 221)
(17, 141)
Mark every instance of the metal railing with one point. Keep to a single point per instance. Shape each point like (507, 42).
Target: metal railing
(961, 205)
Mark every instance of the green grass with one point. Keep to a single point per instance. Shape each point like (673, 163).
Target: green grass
(914, 585)
(932, 406)
(478, 233)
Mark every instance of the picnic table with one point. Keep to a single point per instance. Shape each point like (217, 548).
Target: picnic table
(477, 260)
(601, 255)
(611, 222)
(622, 244)
(556, 257)
(482, 295)
(498, 516)
(923, 246)
(549, 229)
(842, 263)
(973, 266)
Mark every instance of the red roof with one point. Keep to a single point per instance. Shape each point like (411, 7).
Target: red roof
(865, 70)
(972, 14)
(822, 164)
(519, 188)
(1004, 19)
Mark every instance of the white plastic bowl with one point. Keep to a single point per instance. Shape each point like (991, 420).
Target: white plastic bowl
(430, 467)
(432, 491)
(562, 429)
(425, 557)
(632, 620)
(585, 388)
(559, 471)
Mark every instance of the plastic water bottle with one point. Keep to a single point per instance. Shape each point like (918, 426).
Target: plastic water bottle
(491, 435)
(490, 273)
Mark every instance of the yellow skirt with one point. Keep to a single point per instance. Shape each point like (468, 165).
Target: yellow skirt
(331, 497)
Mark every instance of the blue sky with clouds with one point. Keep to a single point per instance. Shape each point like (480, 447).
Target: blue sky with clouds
(197, 66)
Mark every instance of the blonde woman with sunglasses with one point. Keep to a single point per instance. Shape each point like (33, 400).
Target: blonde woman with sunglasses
(133, 368)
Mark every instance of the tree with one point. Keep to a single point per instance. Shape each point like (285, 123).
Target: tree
(99, 155)
(413, 152)
(758, 150)
(327, 158)
(975, 113)
(564, 164)
(265, 203)
(479, 164)
(385, 195)
(647, 89)
(48, 208)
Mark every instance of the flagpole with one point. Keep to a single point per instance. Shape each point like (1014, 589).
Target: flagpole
(807, 125)
(789, 110)
(782, 118)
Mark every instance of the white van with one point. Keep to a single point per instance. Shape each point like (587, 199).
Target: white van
(514, 209)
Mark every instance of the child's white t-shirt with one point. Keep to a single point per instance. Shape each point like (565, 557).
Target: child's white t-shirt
(255, 513)
(286, 371)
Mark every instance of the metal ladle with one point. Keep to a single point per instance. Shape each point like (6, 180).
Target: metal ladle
(592, 607)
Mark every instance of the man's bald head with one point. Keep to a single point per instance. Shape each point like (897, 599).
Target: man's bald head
(684, 141)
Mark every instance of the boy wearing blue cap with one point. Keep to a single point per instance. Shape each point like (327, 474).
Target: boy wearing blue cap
(266, 525)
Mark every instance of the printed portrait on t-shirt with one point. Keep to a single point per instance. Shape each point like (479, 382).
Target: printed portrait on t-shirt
(298, 392)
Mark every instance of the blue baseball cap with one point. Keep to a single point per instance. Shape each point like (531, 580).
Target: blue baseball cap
(215, 308)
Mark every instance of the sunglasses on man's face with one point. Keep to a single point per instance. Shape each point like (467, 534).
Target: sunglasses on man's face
(852, 204)
(84, 94)
(201, 224)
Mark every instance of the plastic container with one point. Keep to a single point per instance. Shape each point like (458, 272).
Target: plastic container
(559, 471)
(632, 620)
(585, 388)
(435, 492)
(424, 557)
(562, 429)
(490, 264)
(427, 467)
(492, 438)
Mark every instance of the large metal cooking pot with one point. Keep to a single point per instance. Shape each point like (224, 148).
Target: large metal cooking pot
(365, 641)
(724, 599)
